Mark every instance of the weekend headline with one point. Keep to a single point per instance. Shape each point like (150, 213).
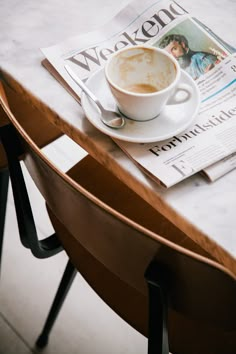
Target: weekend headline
(150, 28)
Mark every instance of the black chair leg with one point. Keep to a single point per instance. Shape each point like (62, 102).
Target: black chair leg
(4, 182)
(158, 307)
(64, 287)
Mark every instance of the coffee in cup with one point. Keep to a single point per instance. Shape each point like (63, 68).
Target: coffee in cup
(143, 79)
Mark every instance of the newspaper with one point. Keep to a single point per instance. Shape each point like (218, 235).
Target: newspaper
(209, 144)
(220, 168)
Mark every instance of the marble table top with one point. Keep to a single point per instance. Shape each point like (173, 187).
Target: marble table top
(205, 211)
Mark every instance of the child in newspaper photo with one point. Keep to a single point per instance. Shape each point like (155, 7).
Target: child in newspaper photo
(196, 52)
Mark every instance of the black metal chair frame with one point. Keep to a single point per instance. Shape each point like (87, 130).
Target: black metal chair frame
(27, 229)
(158, 306)
(4, 182)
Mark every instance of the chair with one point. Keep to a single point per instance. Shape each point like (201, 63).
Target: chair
(160, 288)
(34, 123)
(182, 300)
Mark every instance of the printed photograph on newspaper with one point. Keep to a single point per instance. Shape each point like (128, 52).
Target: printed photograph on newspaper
(195, 51)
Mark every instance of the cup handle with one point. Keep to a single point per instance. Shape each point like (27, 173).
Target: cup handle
(176, 98)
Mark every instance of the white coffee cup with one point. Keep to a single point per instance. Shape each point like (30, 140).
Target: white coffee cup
(143, 79)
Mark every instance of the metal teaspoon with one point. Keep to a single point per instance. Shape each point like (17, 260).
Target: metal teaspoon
(111, 119)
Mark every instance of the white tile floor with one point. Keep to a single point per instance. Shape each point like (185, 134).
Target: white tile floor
(85, 325)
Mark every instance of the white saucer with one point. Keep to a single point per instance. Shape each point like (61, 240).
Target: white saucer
(173, 119)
